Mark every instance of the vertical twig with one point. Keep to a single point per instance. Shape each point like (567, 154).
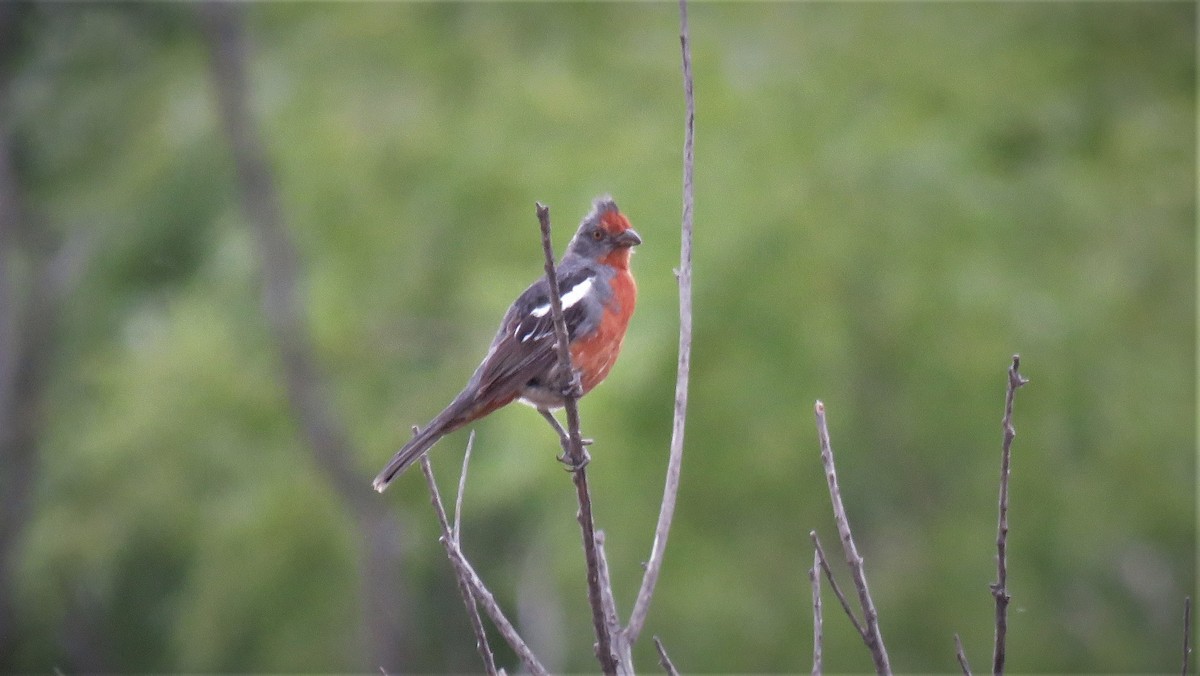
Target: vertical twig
(961, 655)
(622, 647)
(1000, 587)
(873, 638)
(450, 538)
(814, 578)
(664, 659)
(662, 530)
(462, 488)
(1187, 632)
(575, 457)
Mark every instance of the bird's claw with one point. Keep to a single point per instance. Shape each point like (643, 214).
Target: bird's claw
(573, 389)
(571, 466)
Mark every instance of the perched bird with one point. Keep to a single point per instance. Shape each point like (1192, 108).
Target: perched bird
(598, 295)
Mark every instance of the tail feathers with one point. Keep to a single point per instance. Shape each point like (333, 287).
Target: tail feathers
(408, 454)
(465, 408)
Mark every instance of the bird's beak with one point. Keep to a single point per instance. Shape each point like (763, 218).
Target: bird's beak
(628, 238)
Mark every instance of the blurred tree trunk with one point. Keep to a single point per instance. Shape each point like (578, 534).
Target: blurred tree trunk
(38, 270)
(383, 597)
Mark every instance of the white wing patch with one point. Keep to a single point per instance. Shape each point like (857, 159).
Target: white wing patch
(569, 299)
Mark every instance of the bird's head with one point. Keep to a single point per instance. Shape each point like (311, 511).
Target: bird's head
(605, 235)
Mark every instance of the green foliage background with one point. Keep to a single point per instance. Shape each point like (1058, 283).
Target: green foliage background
(891, 200)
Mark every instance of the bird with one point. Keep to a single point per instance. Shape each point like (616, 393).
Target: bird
(598, 295)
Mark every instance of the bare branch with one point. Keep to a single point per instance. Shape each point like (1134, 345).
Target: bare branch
(662, 530)
(622, 647)
(1187, 632)
(872, 637)
(833, 583)
(814, 578)
(575, 457)
(1000, 587)
(462, 488)
(484, 596)
(664, 659)
(450, 538)
(962, 656)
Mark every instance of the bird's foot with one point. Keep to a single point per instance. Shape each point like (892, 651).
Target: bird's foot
(571, 465)
(573, 389)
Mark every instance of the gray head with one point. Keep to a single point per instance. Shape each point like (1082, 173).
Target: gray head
(604, 232)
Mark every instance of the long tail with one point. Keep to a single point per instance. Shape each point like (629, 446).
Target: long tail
(461, 411)
(410, 453)
(466, 407)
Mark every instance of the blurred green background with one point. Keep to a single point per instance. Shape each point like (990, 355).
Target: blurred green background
(891, 200)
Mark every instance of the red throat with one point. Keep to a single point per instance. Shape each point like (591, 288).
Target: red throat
(618, 258)
(615, 223)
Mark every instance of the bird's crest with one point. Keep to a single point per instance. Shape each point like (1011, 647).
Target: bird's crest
(605, 211)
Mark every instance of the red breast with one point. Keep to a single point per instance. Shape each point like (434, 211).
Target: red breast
(595, 354)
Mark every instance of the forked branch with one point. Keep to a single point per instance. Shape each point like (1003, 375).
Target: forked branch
(872, 636)
(450, 538)
(474, 590)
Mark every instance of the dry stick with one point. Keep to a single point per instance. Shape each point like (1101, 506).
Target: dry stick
(663, 659)
(662, 530)
(574, 455)
(1187, 632)
(450, 539)
(873, 638)
(462, 488)
(1000, 587)
(485, 597)
(962, 656)
(814, 577)
(820, 552)
(622, 647)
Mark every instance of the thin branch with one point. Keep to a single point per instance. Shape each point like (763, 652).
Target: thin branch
(662, 530)
(833, 583)
(962, 656)
(622, 647)
(574, 455)
(1187, 632)
(873, 638)
(484, 596)
(814, 578)
(462, 488)
(664, 659)
(1000, 587)
(450, 537)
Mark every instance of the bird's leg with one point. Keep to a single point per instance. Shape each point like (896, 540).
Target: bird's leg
(562, 434)
(565, 440)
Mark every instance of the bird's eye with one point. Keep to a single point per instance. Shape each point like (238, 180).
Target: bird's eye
(597, 235)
